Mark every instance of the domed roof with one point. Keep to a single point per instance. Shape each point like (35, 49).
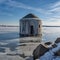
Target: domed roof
(30, 16)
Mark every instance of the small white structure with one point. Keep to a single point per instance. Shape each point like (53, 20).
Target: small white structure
(30, 25)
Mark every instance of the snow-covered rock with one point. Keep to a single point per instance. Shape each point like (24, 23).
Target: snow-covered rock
(39, 51)
(50, 55)
(57, 40)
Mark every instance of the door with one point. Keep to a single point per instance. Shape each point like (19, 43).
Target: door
(31, 30)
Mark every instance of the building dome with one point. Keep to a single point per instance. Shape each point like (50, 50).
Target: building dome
(30, 16)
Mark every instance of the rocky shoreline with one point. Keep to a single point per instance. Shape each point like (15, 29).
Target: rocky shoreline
(42, 50)
(34, 51)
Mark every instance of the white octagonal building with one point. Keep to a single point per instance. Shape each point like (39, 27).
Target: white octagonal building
(30, 25)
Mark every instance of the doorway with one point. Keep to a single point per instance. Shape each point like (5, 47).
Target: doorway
(31, 30)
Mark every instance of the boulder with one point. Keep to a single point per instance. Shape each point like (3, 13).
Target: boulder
(57, 40)
(48, 43)
(57, 53)
(54, 45)
(39, 51)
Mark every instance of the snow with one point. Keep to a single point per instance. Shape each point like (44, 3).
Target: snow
(57, 48)
(50, 54)
(6, 57)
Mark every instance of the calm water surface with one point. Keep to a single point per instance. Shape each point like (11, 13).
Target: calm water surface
(51, 33)
(9, 36)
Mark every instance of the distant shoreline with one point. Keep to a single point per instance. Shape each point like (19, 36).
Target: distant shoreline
(50, 26)
(18, 26)
(8, 26)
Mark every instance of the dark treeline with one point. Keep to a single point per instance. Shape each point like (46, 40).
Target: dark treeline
(49, 26)
(18, 26)
(8, 26)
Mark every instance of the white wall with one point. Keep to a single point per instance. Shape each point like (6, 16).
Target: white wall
(28, 23)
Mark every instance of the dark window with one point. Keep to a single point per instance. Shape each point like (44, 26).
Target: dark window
(31, 30)
(39, 26)
(23, 28)
(20, 28)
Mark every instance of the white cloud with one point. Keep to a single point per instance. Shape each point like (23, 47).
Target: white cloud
(55, 7)
(16, 4)
(1, 1)
(54, 18)
(52, 15)
(24, 6)
(56, 4)
(56, 23)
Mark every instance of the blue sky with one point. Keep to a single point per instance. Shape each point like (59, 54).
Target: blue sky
(13, 10)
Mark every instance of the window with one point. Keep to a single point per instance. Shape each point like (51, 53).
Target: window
(39, 26)
(23, 28)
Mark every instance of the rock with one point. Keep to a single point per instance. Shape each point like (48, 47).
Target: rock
(48, 43)
(39, 51)
(57, 53)
(54, 45)
(57, 40)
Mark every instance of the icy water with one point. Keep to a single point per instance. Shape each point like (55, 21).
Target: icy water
(50, 33)
(9, 36)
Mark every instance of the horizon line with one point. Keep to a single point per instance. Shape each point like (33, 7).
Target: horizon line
(18, 26)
